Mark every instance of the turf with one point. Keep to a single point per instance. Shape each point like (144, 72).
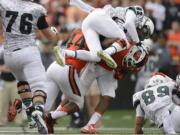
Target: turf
(118, 122)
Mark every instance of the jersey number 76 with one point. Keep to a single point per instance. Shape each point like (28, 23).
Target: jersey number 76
(25, 22)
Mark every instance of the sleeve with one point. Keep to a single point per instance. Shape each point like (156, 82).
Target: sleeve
(42, 23)
(139, 111)
(82, 5)
(136, 100)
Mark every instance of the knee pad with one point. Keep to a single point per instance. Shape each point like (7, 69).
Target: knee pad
(40, 94)
(24, 89)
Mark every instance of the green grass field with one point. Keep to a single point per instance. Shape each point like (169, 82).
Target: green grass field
(118, 122)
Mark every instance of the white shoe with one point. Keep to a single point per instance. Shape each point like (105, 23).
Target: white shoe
(37, 116)
(31, 123)
(59, 55)
(107, 58)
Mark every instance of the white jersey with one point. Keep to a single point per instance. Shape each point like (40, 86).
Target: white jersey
(19, 19)
(120, 12)
(155, 98)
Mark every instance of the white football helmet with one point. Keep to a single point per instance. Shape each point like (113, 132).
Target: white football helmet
(157, 79)
(145, 28)
(136, 57)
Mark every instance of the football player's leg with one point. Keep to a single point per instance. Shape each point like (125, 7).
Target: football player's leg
(96, 24)
(36, 77)
(175, 115)
(23, 86)
(107, 85)
(70, 87)
(167, 127)
(52, 93)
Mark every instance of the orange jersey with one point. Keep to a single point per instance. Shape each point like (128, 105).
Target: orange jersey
(76, 42)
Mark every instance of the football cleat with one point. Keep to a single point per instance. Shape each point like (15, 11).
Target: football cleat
(89, 129)
(59, 55)
(50, 122)
(31, 123)
(15, 108)
(107, 58)
(37, 116)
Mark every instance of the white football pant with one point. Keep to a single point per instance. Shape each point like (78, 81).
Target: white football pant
(99, 23)
(26, 65)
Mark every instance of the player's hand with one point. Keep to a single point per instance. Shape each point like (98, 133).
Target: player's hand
(139, 131)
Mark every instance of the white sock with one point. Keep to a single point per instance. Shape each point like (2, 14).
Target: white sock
(83, 55)
(58, 114)
(70, 53)
(87, 56)
(113, 49)
(95, 118)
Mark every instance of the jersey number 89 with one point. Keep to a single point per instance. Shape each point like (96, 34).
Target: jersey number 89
(148, 96)
(25, 24)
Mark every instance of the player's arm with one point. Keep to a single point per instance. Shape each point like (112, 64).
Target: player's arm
(130, 25)
(82, 5)
(49, 32)
(139, 121)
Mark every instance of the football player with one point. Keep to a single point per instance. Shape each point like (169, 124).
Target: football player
(128, 60)
(157, 103)
(20, 20)
(133, 23)
(69, 84)
(131, 20)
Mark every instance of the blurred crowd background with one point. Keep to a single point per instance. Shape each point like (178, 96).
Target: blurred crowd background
(165, 55)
